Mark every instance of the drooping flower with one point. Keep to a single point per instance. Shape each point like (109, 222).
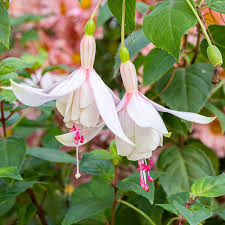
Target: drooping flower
(82, 98)
(142, 123)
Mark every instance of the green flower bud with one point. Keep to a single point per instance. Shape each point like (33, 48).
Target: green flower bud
(90, 27)
(113, 150)
(214, 56)
(124, 54)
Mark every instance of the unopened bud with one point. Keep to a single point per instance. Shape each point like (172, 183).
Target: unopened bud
(124, 54)
(90, 27)
(214, 56)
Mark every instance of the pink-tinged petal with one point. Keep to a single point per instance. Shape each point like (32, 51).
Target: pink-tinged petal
(115, 97)
(71, 83)
(88, 133)
(106, 106)
(30, 96)
(192, 117)
(144, 114)
(35, 97)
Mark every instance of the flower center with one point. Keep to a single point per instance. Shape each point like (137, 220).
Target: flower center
(215, 127)
(85, 4)
(78, 138)
(144, 168)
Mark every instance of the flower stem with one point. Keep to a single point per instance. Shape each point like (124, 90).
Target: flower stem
(123, 22)
(200, 22)
(96, 8)
(137, 210)
(115, 195)
(173, 219)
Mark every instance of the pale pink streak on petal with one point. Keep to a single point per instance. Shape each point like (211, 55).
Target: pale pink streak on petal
(192, 117)
(144, 114)
(88, 133)
(106, 106)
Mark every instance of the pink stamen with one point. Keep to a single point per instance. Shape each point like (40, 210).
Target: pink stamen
(150, 162)
(143, 166)
(73, 128)
(143, 185)
(75, 140)
(150, 179)
(147, 168)
(146, 187)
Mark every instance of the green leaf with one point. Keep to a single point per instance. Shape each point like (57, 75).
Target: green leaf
(209, 186)
(12, 152)
(51, 155)
(219, 114)
(5, 79)
(156, 64)
(89, 199)
(103, 15)
(36, 61)
(209, 152)
(12, 64)
(16, 189)
(27, 18)
(189, 89)
(6, 205)
(142, 7)
(49, 140)
(181, 166)
(134, 43)
(131, 183)
(218, 35)
(7, 95)
(91, 164)
(169, 207)
(58, 67)
(220, 212)
(217, 5)
(30, 35)
(167, 23)
(193, 217)
(102, 154)
(116, 8)
(11, 172)
(4, 25)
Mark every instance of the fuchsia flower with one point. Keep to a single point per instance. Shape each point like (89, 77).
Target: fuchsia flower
(82, 98)
(142, 123)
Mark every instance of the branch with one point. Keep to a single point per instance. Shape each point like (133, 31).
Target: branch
(40, 211)
(3, 120)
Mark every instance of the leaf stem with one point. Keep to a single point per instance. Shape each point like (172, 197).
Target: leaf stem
(200, 22)
(217, 88)
(188, 204)
(137, 210)
(96, 8)
(123, 22)
(173, 219)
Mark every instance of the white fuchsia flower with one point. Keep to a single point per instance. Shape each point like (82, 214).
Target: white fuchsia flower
(141, 121)
(82, 98)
